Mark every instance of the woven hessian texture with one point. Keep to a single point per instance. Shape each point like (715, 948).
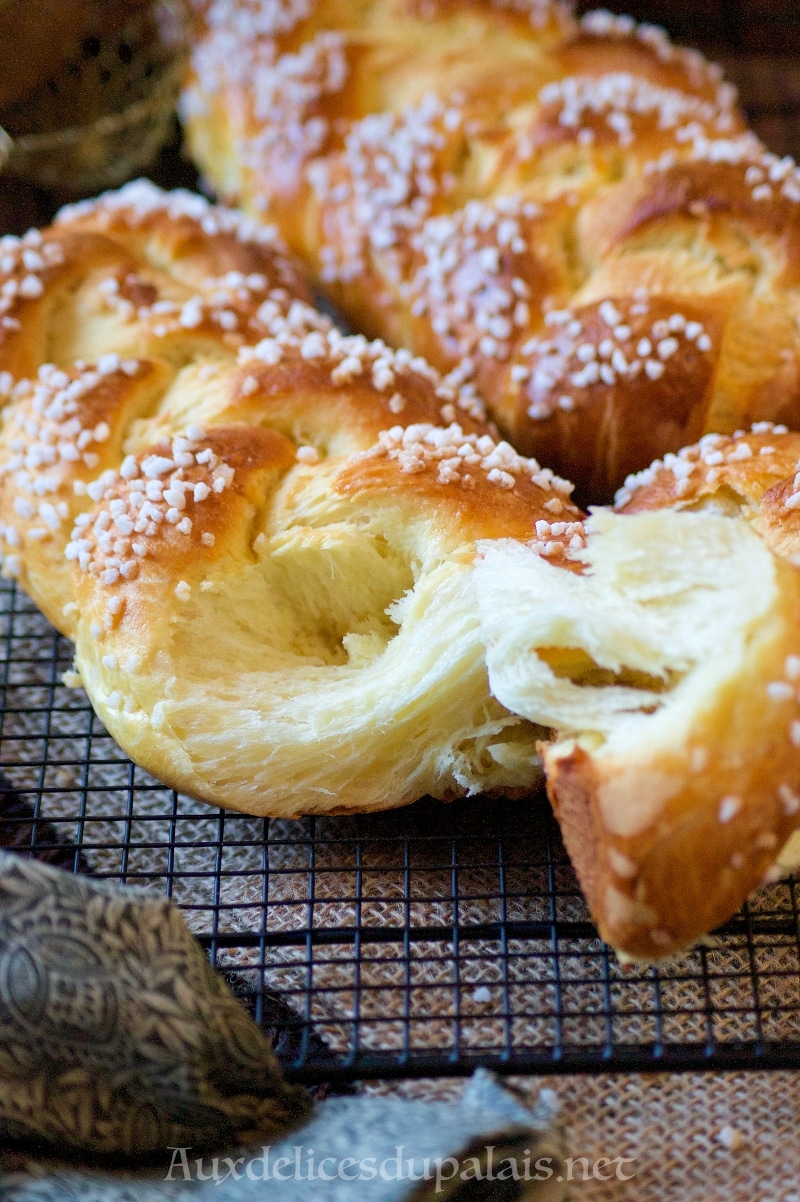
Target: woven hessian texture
(674, 1132)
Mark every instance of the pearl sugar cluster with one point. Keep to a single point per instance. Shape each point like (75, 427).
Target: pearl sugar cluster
(704, 462)
(23, 262)
(459, 457)
(381, 187)
(138, 202)
(47, 435)
(467, 283)
(624, 103)
(352, 356)
(136, 504)
(236, 303)
(576, 355)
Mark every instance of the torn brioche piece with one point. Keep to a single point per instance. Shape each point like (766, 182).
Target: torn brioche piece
(669, 670)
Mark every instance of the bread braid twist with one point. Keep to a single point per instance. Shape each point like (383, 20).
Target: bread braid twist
(571, 213)
(259, 532)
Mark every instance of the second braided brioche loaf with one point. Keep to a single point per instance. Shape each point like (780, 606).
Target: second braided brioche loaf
(569, 213)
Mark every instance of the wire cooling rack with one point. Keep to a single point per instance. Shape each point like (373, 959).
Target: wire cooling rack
(421, 942)
(433, 939)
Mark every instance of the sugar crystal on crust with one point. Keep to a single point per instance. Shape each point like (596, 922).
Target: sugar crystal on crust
(134, 503)
(140, 200)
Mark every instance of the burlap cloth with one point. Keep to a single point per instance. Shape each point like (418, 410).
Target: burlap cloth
(677, 1128)
(696, 1136)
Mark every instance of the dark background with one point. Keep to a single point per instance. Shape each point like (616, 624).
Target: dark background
(754, 26)
(756, 41)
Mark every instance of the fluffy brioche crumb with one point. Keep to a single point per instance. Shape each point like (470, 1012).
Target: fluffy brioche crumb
(668, 671)
(322, 654)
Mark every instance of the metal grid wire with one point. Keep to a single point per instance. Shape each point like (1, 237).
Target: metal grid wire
(419, 942)
(429, 940)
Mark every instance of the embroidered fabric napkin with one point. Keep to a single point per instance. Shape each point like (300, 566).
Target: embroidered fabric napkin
(119, 1042)
(116, 1035)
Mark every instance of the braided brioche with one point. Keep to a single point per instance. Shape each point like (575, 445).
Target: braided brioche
(268, 579)
(571, 214)
(301, 574)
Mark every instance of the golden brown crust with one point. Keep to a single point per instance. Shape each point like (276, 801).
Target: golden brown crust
(746, 464)
(274, 554)
(484, 489)
(457, 173)
(651, 903)
(608, 383)
(143, 275)
(34, 271)
(353, 389)
(708, 191)
(203, 487)
(180, 230)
